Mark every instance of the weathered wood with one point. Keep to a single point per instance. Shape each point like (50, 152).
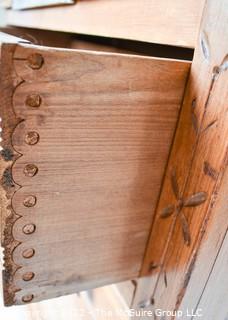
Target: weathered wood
(94, 132)
(196, 167)
(70, 307)
(166, 22)
(8, 83)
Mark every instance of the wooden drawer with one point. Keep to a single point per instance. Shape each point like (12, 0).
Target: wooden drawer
(86, 138)
(166, 22)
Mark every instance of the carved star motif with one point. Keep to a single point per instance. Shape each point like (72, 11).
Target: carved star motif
(177, 208)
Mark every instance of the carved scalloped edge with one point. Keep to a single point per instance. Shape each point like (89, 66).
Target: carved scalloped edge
(9, 81)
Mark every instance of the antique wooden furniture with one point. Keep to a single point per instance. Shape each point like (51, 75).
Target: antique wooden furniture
(114, 165)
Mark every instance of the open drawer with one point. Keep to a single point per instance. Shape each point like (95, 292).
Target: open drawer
(85, 140)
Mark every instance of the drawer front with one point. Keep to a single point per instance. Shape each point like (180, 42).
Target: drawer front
(86, 137)
(166, 22)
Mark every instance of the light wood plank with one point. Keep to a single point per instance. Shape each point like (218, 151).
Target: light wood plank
(166, 22)
(105, 125)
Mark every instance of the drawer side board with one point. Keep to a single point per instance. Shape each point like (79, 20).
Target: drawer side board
(86, 137)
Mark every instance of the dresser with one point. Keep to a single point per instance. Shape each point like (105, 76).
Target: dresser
(114, 154)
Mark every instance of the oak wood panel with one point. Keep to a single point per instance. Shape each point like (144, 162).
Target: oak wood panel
(166, 22)
(105, 124)
(196, 167)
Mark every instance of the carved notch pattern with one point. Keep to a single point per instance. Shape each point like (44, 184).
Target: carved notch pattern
(9, 187)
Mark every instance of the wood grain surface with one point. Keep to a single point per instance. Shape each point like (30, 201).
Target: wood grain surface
(193, 177)
(88, 305)
(166, 22)
(94, 132)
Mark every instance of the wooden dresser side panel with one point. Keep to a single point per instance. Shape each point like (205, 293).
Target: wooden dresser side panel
(194, 173)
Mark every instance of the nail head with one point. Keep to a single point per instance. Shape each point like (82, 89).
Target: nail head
(27, 298)
(35, 61)
(30, 170)
(33, 100)
(29, 201)
(28, 276)
(28, 253)
(32, 137)
(29, 228)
